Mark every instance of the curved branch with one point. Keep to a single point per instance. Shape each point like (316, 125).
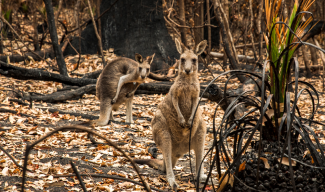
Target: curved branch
(82, 128)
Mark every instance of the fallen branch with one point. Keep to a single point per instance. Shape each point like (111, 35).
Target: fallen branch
(36, 56)
(30, 147)
(312, 68)
(85, 116)
(37, 74)
(13, 159)
(249, 45)
(154, 76)
(3, 110)
(110, 177)
(240, 57)
(75, 170)
(63, 95)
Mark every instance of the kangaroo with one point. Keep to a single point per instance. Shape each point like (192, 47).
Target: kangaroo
(118, 83)
(174, 116)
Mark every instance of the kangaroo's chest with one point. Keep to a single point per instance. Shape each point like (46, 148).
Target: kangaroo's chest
(187, 95)
(188, 90)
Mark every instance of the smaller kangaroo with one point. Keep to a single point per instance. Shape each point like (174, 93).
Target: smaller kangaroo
(118, 83)
(174, 116)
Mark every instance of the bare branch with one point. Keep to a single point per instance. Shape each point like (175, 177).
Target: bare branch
(82, 128)
(97, 35)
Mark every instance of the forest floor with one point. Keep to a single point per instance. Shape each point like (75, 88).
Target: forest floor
(26, 123)
(52, 156)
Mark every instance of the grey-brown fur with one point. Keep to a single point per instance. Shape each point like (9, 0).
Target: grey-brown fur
(171, 123)
(118, 83)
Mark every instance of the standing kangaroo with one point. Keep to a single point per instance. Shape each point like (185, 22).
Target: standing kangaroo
(174, 116)
(118, 83)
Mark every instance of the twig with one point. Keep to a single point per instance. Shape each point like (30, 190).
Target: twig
(185, 26)
(97, 35)
(181, 6)
(14, 31)
(322, 56)
(98, 20)
(58, 12)
(229, 51)
(86, 22)
(30, 147)
(175, 30)
(19, 102)
(252, 19)
(248, 45)
(75, 170)
(73, 47)
(110, 177)
(227, 29)
(13, 159)
(209, 31)
(259, 28)
(240, 57)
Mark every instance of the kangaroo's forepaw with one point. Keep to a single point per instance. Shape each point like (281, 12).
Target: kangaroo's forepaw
(189, 122)
(128, 95)
(113, 101)
(181, 121)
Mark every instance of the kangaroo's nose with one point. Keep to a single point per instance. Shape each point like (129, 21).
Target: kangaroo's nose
(187, 71)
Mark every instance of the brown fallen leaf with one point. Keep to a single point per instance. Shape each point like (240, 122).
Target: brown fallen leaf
(227, 180)
(266, 162)
(31, 129)
(242, 166)
(54, 184)
(285, 161)
(269, 113)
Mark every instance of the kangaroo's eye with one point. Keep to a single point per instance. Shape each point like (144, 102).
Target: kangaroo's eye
(140, 68)
(183, 60)
(194, 60)
(148, 70)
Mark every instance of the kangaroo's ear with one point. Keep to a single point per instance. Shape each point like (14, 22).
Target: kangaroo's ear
(201, 47)
(150, 58)
(138, 58)
(179, 46)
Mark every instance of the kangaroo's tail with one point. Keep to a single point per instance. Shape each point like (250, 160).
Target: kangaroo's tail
(155, 163)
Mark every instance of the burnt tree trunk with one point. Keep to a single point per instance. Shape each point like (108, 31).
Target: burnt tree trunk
(130, 27)
(54, 37)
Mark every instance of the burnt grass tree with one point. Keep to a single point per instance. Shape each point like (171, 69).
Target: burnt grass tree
(285, 153)
(276, 140)
(130, 27)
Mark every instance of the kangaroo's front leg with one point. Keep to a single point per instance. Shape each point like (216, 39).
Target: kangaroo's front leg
(121, 82)
(195, 101)
(181, 119)
(132, 92)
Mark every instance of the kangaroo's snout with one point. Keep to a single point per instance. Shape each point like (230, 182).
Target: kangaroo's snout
(187, 71)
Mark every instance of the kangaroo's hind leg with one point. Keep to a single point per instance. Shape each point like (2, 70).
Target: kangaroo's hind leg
(198, 146)
(105, 112)
(129, 117)
(163, 141)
